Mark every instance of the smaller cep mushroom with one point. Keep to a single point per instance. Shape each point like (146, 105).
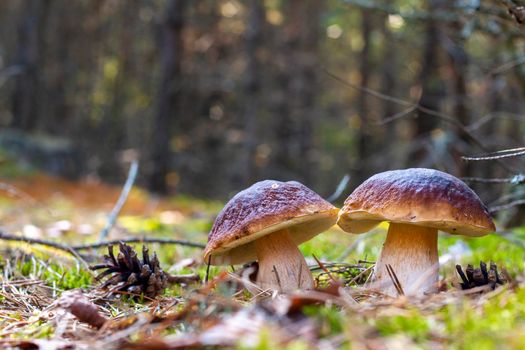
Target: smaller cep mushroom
(417, 203)
(266, 222)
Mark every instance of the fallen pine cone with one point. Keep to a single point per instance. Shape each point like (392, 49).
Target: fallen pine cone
(472, 277)
(129, 274)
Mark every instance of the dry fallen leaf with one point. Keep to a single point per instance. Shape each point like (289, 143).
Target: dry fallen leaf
(79, 305)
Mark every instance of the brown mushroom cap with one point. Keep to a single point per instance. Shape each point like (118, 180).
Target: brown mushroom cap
(263, 208)
(418, 196)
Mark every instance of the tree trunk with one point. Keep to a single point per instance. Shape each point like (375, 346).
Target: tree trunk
(27, 90)
(459, 65)
(252, 87)
(388, 78)
(57, 91)
(308, 86)
(168, 96)
(431, 85)
(363, 137)
(286, 125)
(298, 88)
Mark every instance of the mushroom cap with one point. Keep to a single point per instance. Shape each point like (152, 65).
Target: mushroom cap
(261, 209)
(418, 196)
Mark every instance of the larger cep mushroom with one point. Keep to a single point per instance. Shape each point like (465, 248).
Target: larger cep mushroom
(417, 203)
(266, 222)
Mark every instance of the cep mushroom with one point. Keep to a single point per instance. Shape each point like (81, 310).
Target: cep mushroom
(266, 222)
(417, 203)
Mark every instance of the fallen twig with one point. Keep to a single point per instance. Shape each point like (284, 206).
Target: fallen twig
(138, 240)
(132, 175)
(64, 247)
(339, 189)
(353, 246)
(183, 279)
(207, 270)
(325, 270)
(73, 250)
(395, 280)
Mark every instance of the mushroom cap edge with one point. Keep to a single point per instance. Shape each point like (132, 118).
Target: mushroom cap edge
(417, 196)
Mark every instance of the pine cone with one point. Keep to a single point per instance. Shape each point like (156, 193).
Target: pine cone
(129, 274)
(472, 277)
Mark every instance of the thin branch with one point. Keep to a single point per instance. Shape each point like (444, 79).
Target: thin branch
(517, 11)
(132, 175)
(300, 275)
(449, 15)
(518, 179)
(398, 115)
(139, 240)
(511, 236)
(370, 91)
(506, 206)
(362, 273)
(417, 106)
(277, 277)
(339, 189)
(395, 280)
(480, 122)
(441, 16)
(183, 279)
(64, 247)
(506, 153)
(507, 66)
(346, 253)
(325, 270)
(506, 198)
(207, 270)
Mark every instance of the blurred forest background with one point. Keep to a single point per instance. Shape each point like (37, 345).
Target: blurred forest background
(211, 96)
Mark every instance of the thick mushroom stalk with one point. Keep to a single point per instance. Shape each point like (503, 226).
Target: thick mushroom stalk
(412, 252)
(281, 265)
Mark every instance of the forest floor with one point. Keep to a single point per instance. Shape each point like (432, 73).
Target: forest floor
(35, 312)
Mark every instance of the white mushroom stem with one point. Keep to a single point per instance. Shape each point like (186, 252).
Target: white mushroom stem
(281, 265)
(412, 252)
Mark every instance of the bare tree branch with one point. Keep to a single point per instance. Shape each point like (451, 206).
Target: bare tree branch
(506, 153)
(139, 240)
(515, 180)
(339, 189)
(426, 110)
(132, 175)
(507, 206)
(64, 247)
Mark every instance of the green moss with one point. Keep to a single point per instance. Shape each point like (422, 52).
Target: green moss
(330, 319)
(411, 324)
(459, 323)
(59, 276)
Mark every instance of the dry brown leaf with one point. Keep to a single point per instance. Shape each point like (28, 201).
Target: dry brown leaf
(82, 308)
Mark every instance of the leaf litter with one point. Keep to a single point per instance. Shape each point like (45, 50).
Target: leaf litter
(222, 313)
(43, 304)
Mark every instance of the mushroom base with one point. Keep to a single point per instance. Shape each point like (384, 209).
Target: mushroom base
(281, 265)
(412, 252)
